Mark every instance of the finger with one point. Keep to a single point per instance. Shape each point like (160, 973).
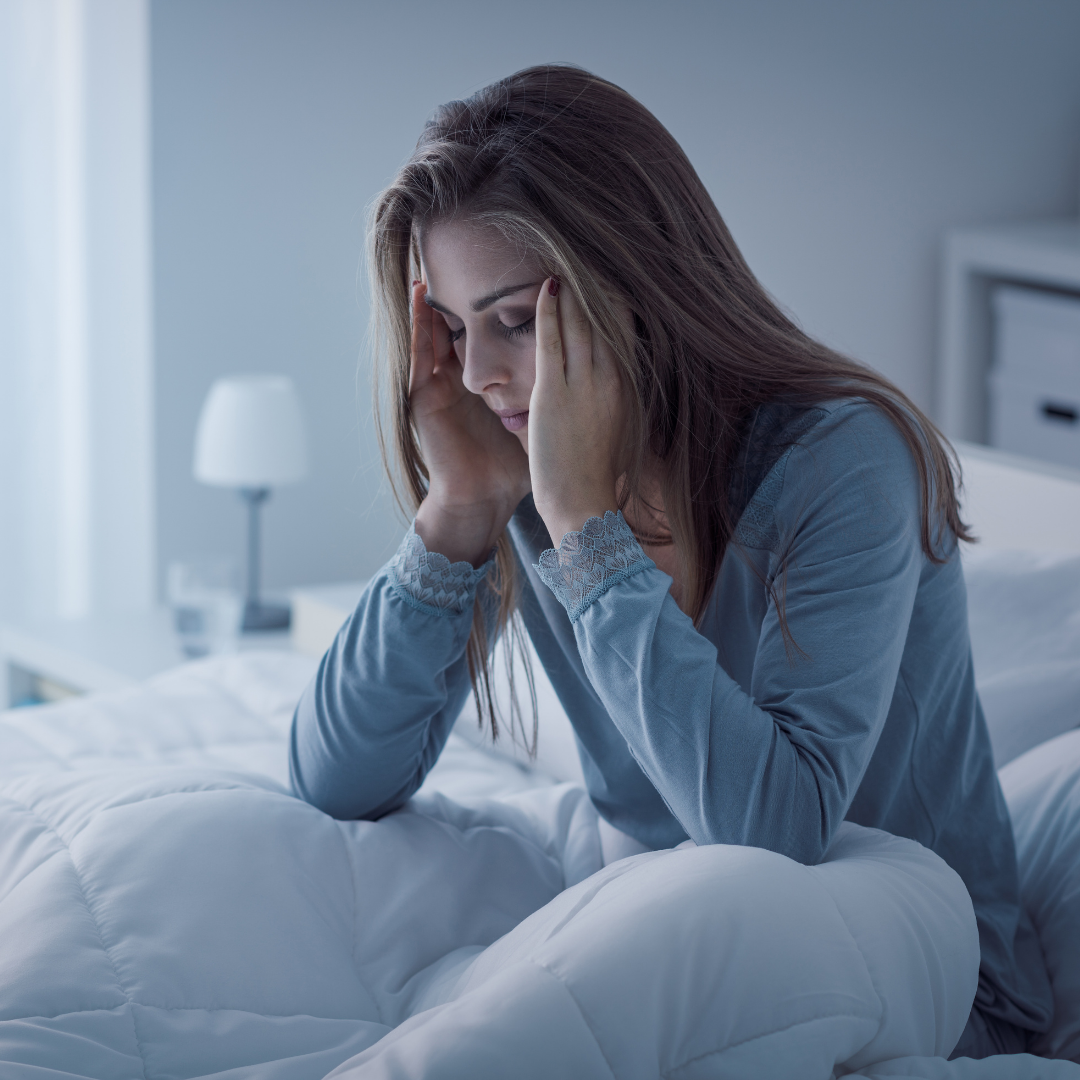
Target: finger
(577, 336)
(550, 362)
(441, 345)
(422, 360)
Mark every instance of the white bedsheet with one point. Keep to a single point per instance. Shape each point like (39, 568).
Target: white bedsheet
(168, 910)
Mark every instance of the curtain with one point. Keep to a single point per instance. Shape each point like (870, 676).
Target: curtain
(76, 497)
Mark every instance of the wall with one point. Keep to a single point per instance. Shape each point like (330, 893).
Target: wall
(839, 138)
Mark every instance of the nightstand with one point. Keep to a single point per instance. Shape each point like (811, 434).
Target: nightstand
(43, 661)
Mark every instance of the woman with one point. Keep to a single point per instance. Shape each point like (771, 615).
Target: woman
(735, 552)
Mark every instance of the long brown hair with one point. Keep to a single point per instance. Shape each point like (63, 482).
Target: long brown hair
(572, 167)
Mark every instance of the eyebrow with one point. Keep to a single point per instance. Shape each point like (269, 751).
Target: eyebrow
(484, 301)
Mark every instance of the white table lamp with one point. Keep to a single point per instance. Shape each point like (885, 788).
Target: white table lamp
(250, 436)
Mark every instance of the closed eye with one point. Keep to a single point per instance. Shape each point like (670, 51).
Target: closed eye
(512, 332)
(456, 335)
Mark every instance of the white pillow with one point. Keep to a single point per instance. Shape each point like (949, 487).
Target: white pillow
(1024, 616)
(1042, 789)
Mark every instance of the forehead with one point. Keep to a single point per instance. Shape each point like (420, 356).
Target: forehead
(462, 254)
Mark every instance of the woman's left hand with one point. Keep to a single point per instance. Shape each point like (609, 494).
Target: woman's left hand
(575, 416)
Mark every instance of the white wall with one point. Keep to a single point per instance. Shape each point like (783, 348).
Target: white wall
(839, 138)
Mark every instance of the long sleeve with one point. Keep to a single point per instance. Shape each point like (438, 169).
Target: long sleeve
(373, 721)
(777, 764)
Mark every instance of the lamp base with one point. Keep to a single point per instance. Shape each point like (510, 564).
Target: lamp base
(259, 616)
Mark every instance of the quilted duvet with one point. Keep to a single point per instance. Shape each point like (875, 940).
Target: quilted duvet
(192, 922)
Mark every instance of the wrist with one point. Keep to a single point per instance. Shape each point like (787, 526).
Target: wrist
(570, 513)
(561, 522)
(461, 532)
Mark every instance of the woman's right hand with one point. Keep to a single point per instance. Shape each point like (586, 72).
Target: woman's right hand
(478, 472)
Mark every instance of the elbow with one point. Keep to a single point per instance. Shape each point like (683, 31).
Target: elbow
(310, 783)
(799, 845)
(812, 826)
(296, 779)
(815, 809)
(808, 849)
(801, 831)
(341, 793)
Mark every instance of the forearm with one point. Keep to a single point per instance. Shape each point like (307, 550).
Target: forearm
(378, 712)
(773, 764)
(730, 770)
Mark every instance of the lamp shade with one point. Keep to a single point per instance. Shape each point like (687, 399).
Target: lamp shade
(251, 433)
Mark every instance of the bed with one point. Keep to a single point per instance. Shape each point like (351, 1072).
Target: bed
(168, 909)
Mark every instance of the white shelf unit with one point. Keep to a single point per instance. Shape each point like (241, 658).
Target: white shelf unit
(1043, 254)
(91, 655)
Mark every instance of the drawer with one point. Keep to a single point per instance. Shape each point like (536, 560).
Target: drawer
(1037, 337)
(1035, 418)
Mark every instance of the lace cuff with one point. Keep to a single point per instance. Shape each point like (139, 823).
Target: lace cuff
(590, 562)
(431, 582)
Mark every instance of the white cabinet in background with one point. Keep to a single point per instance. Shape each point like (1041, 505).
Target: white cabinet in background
(1035, 378)
(977, 262)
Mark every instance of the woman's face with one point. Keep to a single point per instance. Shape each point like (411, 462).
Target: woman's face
(486, 287)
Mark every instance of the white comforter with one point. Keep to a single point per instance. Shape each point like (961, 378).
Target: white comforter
(187, 917)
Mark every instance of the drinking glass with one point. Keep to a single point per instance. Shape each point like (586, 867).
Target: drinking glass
(206, 604)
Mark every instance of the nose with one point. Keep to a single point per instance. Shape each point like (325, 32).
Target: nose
(483, 368)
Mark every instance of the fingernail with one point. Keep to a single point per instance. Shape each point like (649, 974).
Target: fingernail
(416, 281)
(553, 286)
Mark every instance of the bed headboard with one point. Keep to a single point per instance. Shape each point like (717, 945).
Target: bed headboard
(1017, 502)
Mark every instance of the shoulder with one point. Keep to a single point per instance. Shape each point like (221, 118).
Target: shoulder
(854, 435)
(854, 465)
(837, 460)
(847, 428)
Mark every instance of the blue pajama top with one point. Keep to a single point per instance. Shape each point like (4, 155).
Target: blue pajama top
(724, 732)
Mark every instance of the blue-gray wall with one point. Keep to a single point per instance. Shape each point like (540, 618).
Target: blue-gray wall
(840, 138)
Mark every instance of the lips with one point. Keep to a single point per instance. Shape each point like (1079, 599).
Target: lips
(514, 421)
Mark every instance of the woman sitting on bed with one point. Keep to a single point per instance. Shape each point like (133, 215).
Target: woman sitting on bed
(735, 552)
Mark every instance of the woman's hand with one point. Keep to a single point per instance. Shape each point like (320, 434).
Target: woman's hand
(477, 471)
(575, 416)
